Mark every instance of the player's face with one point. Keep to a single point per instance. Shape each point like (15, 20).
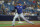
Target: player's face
(19, 4)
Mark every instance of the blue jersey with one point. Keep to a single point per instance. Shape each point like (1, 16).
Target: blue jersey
(19, 9)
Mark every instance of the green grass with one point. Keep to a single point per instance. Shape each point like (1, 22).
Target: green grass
(2, 23)
(5, 24)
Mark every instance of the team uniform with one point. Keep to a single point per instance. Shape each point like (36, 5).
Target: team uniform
(19, 14)
(15, 12)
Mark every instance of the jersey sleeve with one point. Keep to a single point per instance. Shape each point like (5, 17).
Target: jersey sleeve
(15, 7)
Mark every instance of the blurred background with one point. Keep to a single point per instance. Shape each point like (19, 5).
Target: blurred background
(32, 8)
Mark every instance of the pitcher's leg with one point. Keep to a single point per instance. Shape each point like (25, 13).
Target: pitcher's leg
(21, 15)
(13, 22)
(19, 18)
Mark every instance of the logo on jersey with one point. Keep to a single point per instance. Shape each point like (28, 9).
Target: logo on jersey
(20, 7)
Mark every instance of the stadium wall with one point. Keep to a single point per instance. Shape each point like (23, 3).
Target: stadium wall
(10, 18)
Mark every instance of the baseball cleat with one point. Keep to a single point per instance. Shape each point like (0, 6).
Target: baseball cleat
(32, 23)
(13, 25)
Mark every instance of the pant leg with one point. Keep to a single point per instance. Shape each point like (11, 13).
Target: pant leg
(19, 18)
(16, 15)
(21, 15)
